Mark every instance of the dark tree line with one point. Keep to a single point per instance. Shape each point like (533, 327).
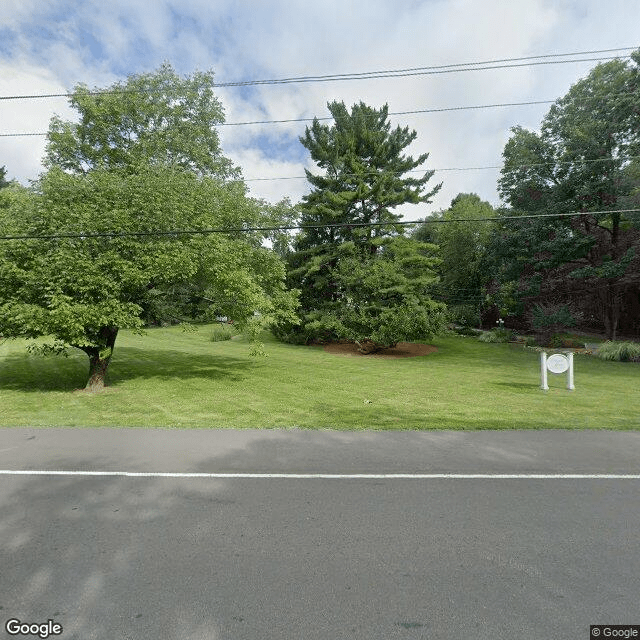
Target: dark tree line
(555, 270)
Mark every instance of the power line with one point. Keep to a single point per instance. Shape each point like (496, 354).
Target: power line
(403, 74)
(183, 232)
(395, 113)
(391, 113)
(389, 73)
(290, 120)
(436, 170)
(518, 166)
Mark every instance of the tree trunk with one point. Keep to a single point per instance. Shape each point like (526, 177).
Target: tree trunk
(97, 372)
(615, 313)
(611, 313)
(99, 359)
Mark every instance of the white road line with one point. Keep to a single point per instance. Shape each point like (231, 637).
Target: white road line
(336, 476)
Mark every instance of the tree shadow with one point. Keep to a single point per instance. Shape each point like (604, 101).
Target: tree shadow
(212, 558)
(98, 556)
(56, 373)
(517, 385)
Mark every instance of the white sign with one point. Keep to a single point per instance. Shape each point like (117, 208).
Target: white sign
(556, 363)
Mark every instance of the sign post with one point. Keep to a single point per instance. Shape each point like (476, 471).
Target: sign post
(543, 372)
(556, 363)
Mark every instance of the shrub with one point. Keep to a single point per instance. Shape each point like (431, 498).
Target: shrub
(620, 351)
(496, 335)
(464, 314)
(565, 341)
(222, 332)
(548, 319)
(467, 331)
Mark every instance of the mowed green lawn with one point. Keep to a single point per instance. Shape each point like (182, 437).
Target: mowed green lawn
(169, 378)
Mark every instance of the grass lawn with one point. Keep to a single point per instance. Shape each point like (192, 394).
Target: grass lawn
(169, 378)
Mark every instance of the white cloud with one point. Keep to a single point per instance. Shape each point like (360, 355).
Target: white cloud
(22, 155)
(300, 37)
(258, 165)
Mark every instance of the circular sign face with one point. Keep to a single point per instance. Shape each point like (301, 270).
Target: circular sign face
(557, 363)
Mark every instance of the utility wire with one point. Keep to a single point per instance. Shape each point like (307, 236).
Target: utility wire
(425, 170)
(183, 232)
(290, 120)
(392, 113)
(517, 166)
(390, 73)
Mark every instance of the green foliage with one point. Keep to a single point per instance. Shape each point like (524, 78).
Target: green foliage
(565, 341)
(620, 351)
(550, 317)
(463, 246)
(497, 335)
(3, 178)
(151, 118)
(379, 298)
(577, 162)
(550, 320)
(360, 282)
(144, 160)
(467, 331)
(222, 332)
(463, 314)
(364, 175)
(12, 198)
(71, 287)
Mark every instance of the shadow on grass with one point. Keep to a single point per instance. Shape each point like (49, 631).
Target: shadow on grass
(387, 418)
(526, 386)
(21, 372)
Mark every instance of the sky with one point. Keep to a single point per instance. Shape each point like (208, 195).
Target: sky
(49, 46)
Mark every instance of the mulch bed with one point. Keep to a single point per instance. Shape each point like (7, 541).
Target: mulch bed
(401, 350)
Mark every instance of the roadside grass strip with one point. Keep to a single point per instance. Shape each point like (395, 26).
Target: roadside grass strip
(172, 379)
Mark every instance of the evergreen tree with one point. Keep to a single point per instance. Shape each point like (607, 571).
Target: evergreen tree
(363, 180)
(3, 178)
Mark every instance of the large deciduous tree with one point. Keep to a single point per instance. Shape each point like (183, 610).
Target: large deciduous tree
(462, 241)
(102, 224)
(156, 118)
(580, 161)
(351, 286)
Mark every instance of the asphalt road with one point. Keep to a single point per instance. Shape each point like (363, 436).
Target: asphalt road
(189, 558)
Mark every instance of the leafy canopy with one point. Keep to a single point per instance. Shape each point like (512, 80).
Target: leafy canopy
(154, 118)
(581, 160)
(70, 288)
(144, 160)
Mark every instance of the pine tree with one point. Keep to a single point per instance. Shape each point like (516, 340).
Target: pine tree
(363, 180)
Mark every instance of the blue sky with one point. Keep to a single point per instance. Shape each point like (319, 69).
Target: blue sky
(47, 46)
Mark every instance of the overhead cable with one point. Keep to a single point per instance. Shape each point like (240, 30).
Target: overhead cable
(389, 73)
(391, 113)
(290, 120)
(183, 232)
(517, 166)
